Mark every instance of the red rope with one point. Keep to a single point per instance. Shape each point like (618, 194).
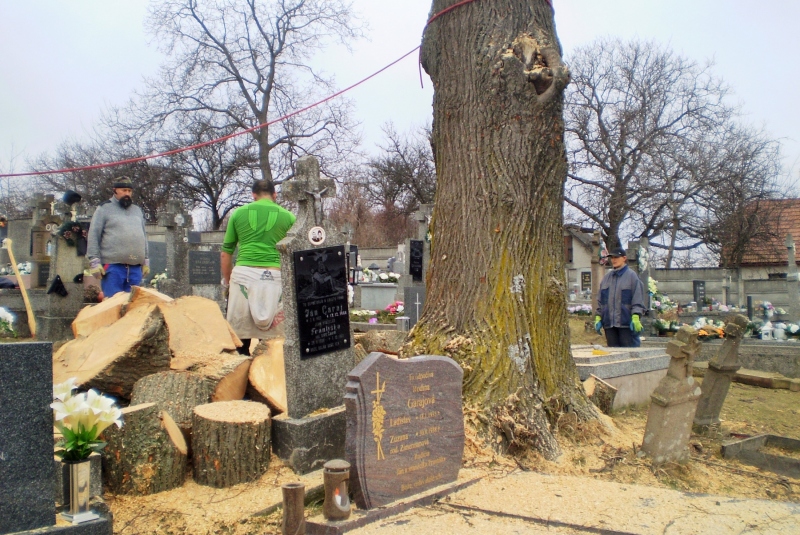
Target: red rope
(251, 129)
(210, 142)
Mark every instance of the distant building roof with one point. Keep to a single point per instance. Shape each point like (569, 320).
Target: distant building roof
(772, 251)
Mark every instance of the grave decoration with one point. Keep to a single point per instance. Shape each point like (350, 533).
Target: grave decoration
(405, 426)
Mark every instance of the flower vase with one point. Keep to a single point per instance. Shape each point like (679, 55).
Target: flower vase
(79, 492)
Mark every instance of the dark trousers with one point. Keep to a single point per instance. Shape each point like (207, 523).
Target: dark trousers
(245, 349)
(622, 337)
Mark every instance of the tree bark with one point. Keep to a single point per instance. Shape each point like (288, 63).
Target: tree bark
(146, 455)
(230, 442)
(496, 298)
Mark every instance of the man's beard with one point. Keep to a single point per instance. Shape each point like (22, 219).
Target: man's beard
(125, 202)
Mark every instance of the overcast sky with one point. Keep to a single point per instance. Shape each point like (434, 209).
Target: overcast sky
(62, 62)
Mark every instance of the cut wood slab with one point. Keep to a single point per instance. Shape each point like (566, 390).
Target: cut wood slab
(93, 317)
(143, 296)
(230, 442)
(114, 357)
(600, 392)
(146, 455)
(197, 330)
(267, 376)
(177, 393)
(228, 374)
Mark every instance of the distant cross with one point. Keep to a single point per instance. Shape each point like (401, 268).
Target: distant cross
(416, 302)
(308, 183)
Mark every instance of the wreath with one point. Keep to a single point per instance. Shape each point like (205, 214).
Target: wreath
(72, 231)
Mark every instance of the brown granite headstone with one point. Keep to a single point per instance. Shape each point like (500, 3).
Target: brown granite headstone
(405, 426)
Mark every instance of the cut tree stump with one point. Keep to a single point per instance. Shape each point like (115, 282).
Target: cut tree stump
(197, 330)
(93, 317)
(114, 357)
(267, 376)
(230, 442)
(146, 455)
(600, 392)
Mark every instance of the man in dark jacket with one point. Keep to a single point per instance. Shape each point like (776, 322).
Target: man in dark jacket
(621, 303)
(117, 247)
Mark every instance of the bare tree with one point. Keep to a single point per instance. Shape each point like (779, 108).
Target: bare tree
(630, 106)
(496, 301)
(245, 62)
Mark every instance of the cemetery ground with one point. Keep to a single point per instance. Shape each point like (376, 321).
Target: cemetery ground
(591, 455)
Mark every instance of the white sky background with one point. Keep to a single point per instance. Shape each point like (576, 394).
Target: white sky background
(61, 62)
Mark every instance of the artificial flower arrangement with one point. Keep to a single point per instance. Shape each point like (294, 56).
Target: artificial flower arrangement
(389, 277)
(72, 231)
(81, 418)
(7, 324)
(158, 278)
(580, 310)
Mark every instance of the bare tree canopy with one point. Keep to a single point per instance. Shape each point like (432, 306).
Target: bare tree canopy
(245, 62)
(496, 300)
(637, 119)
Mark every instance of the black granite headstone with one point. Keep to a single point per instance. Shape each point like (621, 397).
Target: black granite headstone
(413, 301)
(204, 267)
(405, 426)
(416, 252)
(27, 480)
(158, 258)
(44, 274)
(323, 318)
(194, 237)
(699, 288)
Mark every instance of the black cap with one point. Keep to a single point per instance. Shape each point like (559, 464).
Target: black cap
(617, 251)
(123, 182)
(71, 197)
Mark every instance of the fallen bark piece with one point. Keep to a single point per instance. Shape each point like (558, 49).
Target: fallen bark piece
(600, 392)
(93, 317)
(114, 357)
(230, 442)
(267, 376)
(146, 455)
(197, 330)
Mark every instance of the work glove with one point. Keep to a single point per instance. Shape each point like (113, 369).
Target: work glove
(226, 288)
(146, 267)
(598, 324)
(96, 268)
(636, 325)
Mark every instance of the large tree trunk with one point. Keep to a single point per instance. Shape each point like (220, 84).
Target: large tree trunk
(496, 292)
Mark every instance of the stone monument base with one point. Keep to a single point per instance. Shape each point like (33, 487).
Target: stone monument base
(318, 525)
(305, 444)
(54, 328)
(634, 372)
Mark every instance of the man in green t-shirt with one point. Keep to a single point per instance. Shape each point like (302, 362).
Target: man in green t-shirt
(254, 300)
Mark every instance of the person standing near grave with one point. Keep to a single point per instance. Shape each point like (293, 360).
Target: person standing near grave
(117, 242)
(254, 298)
(621, 303)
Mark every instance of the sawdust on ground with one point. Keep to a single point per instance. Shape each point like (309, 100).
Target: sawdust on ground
(588, 451)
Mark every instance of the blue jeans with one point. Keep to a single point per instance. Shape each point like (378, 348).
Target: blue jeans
(120, 278)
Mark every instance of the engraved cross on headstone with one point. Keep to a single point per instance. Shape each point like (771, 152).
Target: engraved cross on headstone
(307, 185)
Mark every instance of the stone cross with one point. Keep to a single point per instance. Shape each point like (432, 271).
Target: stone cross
(177, 222)
(792, 279)
(674, 401)
(307, 183)
(721, 370)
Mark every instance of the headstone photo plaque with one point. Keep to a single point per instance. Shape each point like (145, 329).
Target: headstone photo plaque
(405, 426)
(415, 259)
(323, 318)
(204, 267)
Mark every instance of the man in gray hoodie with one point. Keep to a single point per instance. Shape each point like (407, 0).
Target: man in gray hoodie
(117, 244)
(621, 303)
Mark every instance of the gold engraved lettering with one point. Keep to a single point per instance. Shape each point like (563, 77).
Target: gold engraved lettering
(432, 430)
(378, 413)
(421, 455)
(420, 376)
(420, 482)
(398, 438)
(428, 414)
(420, 403)
(394, 422)
(414, 445)
(420, 388)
